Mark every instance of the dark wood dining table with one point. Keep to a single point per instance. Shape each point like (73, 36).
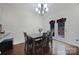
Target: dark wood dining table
(36, 37)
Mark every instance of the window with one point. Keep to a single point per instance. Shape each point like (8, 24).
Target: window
(61, 27)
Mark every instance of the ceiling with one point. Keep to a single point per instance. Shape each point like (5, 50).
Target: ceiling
(53, 7)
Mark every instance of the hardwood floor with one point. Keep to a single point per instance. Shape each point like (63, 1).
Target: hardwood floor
(61, 48)
(17, 50)
(58, 48)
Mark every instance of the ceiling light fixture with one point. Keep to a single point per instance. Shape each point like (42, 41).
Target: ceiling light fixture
(42, 8)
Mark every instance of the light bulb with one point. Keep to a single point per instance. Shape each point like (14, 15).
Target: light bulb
(38, 12)
(45, 5)
(36, 9)
(39, 5)
(46, 9)
(42, 12)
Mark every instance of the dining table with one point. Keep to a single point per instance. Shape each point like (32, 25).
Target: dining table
(36, 37)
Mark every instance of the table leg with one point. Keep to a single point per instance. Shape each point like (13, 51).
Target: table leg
(33, 47)
(51, 46)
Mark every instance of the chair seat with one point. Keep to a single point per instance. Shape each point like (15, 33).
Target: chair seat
(38, 41)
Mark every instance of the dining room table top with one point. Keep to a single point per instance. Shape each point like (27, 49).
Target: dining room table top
(36, 36)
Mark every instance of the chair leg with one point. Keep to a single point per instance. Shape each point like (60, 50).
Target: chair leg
(51, 46)
(51, 43)
(42, 48)
(25, 48)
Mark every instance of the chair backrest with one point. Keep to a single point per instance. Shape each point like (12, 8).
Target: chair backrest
(45, 36)
(28, 39)
(50, 34)
(25, 36)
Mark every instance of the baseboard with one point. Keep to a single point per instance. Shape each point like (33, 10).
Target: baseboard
(17, 43)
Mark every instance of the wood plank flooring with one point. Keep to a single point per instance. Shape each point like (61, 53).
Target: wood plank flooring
(58, 48)
(61, 48)
(17, 50)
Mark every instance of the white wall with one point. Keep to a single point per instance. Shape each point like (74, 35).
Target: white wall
(19, 18)
(69, 11)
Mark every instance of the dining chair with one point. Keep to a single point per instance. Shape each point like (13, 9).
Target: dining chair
(25, 37)
(38, 45)
(49, 36)
(45, 42)
(28, 44)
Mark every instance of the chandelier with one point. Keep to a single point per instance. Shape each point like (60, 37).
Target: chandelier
(42, 8)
